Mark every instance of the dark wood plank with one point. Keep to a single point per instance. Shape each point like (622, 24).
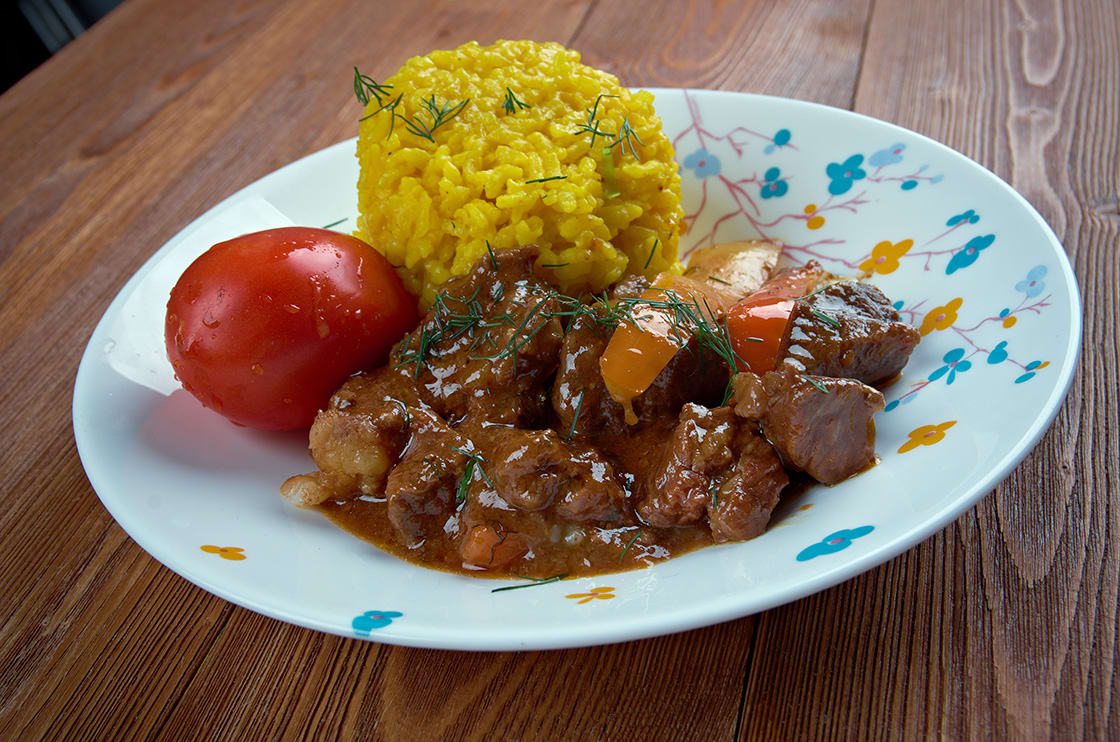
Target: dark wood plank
(1004, 625)
(792, 48)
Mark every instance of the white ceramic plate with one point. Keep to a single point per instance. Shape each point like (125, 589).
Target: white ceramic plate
(969, 261)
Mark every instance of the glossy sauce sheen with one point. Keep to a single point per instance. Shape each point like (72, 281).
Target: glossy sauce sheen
(470, 457)
(576, 551)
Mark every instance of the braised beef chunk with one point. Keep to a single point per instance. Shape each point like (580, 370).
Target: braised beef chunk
(357, 439)
(490, 440)
(421, 489)
(489, 345)
(847, 329)
(742, 502)
(713, 464)
(822, 426)
(695, 374)
(535, 469)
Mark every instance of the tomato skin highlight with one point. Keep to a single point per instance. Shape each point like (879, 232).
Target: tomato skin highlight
(264, 327)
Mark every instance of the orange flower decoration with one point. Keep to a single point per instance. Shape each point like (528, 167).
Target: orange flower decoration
(926, 435)
(885, 255)
(232, 553)
(602, 593)
(941, 318)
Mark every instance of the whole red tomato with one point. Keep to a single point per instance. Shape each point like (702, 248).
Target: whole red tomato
(264, 327)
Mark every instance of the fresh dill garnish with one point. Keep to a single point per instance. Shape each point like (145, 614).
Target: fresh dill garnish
(404, 409)
(545, 180)
(627, 135)
(628, 545)
(474, 461)
(439, 115)
(820, 387)
(408, 356)
(592, 125)
(575, 417)
(512, 104)
(825, 318)
(715, 494)
(335, 224)
(465, 481)
(652, 250)
(717, 279)
(493, 260)
(728, 391)
(533, 582)
(814, 292)
(365, 86)
(391, 107)
(513, 344)
(555, 265)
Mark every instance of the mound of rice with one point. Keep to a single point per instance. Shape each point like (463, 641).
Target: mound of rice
(432, 206)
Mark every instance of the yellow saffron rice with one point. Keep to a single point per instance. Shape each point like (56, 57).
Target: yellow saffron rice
(432, 206)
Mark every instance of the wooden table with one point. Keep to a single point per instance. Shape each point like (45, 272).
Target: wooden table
(1004, 625)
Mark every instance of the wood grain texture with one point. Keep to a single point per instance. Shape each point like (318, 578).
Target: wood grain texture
(1003, 626)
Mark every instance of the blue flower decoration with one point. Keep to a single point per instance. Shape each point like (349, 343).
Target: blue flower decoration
(703, 163)
(833, 543)
(906, 399)
(371, 620)
(1033, 285)
(953, 366)
(889, 156)
(969, 216)
(1030, 371)
(781, 139)
(843, 174)
(774, 187)
(998, 354)
(968, 255)
(909, 185)
(898, 304)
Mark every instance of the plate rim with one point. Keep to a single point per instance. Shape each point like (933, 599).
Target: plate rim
(618, 628)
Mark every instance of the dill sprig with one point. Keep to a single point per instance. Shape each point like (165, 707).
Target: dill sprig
(628, 545)
(439, 115)
(820, 387)
(575, 417)
(545, 180)
(512, 104)
(454, 318)
(652, 250)
(728, 391)
(365, 87)
(446, 326)
(627, 135)
(474, 461)
(493, 260)
(533, 582)
(335, 223)
(825, 318)
(592, 125)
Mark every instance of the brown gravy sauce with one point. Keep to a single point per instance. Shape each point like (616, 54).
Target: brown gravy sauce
(577, 552)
